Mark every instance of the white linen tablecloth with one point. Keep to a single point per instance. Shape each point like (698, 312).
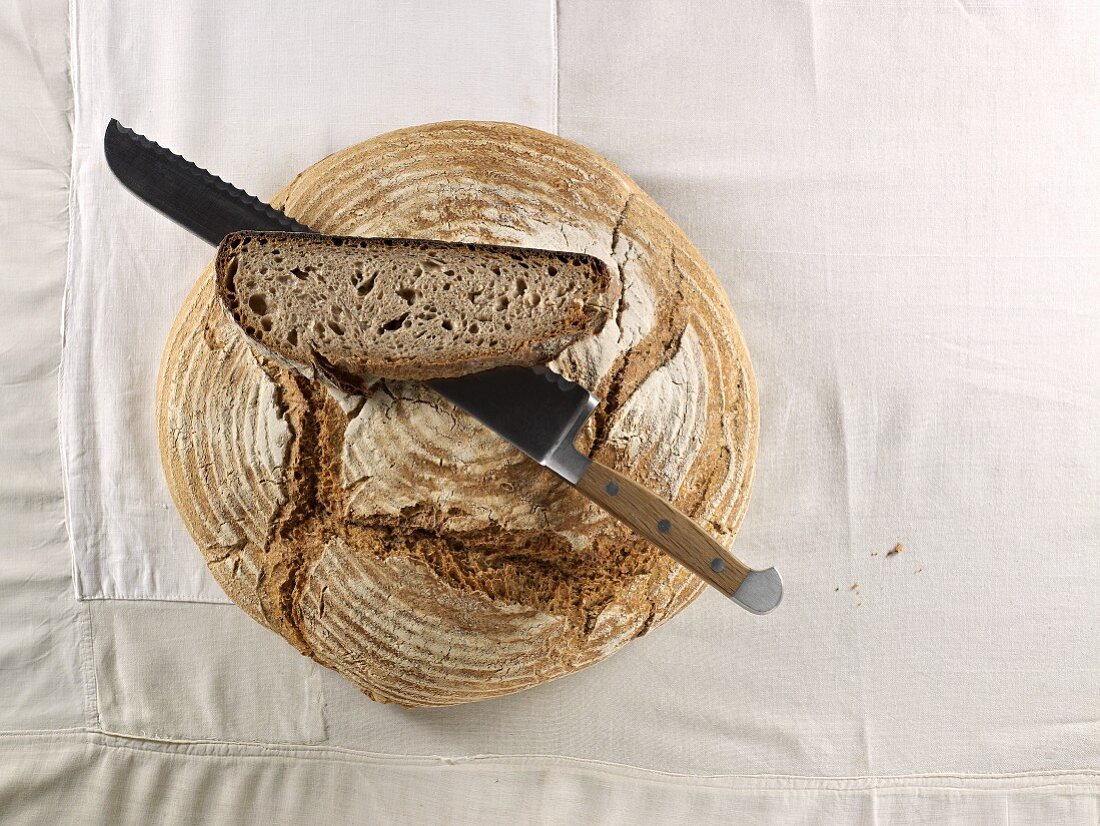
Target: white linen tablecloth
(902, 201)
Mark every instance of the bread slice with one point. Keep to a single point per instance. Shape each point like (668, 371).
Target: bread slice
(355, 309)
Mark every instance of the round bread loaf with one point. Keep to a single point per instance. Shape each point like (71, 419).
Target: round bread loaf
(393, 538)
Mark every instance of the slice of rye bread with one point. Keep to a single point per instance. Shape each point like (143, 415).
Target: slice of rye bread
(355, 309)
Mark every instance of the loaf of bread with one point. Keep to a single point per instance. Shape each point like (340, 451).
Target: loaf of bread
(391, 537)
(354, 309)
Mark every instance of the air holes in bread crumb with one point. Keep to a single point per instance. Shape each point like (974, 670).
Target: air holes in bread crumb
(363, 283)
(393, 324)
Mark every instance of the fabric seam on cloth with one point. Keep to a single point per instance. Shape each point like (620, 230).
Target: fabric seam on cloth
(315, 683)
(1088, 778)
(66, 295)
(82, 621)
(555, 66)
(157, 598)
(87, 665)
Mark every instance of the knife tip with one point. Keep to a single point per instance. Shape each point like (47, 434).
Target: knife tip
(113, 126)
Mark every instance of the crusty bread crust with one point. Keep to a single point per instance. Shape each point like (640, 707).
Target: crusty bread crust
(394, 539)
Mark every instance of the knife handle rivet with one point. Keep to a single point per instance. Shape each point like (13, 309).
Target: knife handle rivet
(664, 526)
(718, 565)
(612, 488)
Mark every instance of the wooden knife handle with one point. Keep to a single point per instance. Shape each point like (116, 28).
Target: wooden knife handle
(663, 525)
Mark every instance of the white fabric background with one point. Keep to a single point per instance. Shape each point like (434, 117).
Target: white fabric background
(901, 200)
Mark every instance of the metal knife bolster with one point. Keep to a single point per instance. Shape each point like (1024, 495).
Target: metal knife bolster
(568, 462)
(537, 410)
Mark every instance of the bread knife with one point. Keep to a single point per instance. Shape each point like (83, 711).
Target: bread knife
(536, 409)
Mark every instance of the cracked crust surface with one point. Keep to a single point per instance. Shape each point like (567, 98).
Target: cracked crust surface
(391, 537)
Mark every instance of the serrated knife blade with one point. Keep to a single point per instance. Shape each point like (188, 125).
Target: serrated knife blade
(537, 410)
(192, 197)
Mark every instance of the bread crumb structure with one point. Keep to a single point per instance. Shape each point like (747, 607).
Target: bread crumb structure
(354, 308)
(390, 536)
